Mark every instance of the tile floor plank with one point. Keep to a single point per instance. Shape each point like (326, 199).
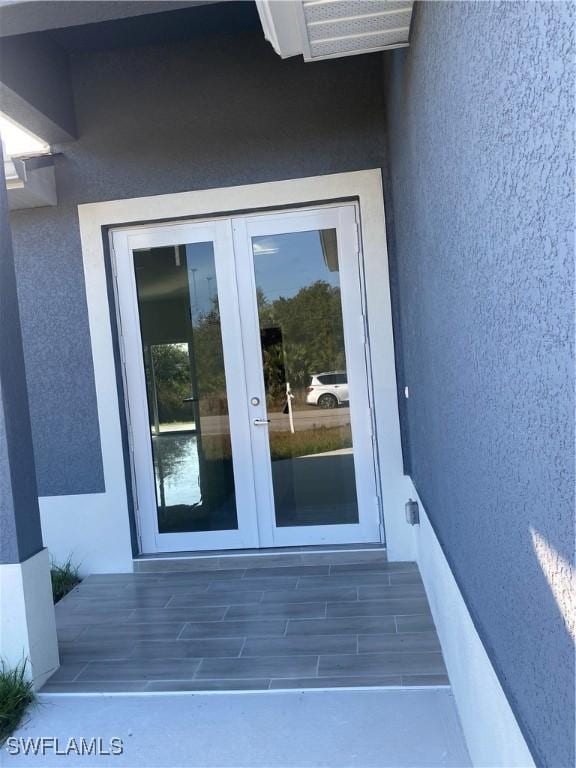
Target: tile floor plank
(140, 669)
(402, 607)
(401, 641)
(228, 684)
(260, 583)
(385, 567)
(281, 666)
(310, 595)
(381, 663)
(350, 625)
(290, 570)
(299, 644)
(183, 649)
(277, 610)
(158, 631)
(216, 598)
(180, 613)
(351, 579)
(421, 623)
(236, 628)
(394, 591)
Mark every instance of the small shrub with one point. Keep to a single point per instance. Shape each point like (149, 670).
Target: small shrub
(64, 578)
(16, 695)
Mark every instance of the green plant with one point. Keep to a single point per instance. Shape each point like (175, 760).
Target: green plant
(16, 695)
(64, 578)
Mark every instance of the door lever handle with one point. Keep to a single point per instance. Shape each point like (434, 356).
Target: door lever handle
(261, 422)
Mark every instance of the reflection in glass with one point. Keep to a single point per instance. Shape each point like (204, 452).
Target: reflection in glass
(304, 360)
(186, 388)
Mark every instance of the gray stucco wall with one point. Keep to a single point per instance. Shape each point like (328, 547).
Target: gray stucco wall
(480, 122)
(20, 532)
(160, 119)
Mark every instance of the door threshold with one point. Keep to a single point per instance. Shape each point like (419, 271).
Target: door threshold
(245, 558)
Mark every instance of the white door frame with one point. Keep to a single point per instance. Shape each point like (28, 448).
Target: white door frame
(343, 219)
(244, 376)
(109, 513)
(124, 242)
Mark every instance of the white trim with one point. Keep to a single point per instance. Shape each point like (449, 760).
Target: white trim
(280, 25)
(240, 692)
(366, 186)
(490, 728)
(27, 618)
(91, 529)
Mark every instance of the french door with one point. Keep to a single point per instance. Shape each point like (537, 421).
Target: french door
(246, 379)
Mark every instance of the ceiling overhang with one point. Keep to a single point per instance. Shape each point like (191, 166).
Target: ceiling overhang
(18, 17)
(327, 29)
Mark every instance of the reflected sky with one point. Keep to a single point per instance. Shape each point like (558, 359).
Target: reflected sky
(286, 263)
(201, 277)
(289, 262)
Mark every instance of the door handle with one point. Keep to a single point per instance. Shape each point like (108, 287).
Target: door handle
(261, 422)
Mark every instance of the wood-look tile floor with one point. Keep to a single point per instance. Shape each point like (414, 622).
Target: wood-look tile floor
(333, 625)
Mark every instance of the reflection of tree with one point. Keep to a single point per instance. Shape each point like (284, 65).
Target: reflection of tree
(210, 505)
(169, 453)
(311, 331)
(304, 336)
(172, 376)
(208, 353)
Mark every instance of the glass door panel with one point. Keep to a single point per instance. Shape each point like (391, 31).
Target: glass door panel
(186, 404)
(300, 295)
(304, 367)
(186, 388)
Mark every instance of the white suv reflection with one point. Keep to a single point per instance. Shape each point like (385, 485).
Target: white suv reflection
(328, 389)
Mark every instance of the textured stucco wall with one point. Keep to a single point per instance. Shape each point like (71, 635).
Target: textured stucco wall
(20, 532)
(480, 123)
(153, 120)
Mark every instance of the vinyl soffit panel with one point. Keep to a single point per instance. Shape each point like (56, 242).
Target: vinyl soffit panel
(320, 29)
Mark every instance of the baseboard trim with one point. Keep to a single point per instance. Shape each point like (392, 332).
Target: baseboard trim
(490, 728)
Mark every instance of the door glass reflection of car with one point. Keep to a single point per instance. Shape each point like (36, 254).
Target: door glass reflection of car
(328, 389)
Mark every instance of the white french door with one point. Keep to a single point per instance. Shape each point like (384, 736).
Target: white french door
(246, 379)
(179, 322)
(298, 277)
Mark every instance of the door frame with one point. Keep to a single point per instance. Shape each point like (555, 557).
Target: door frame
(234, 266)
(130, 342)
(111, 510)
(342, 217)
